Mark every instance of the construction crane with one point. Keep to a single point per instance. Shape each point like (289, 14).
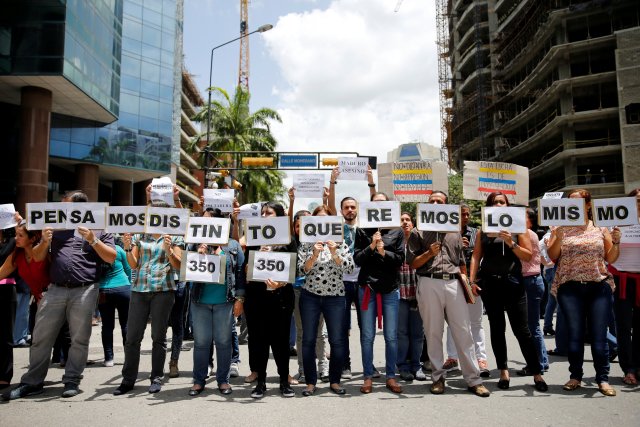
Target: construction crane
(444, 77)
(398, 5)
(243, 68)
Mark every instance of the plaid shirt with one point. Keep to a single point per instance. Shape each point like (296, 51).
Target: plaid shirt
(154, 268)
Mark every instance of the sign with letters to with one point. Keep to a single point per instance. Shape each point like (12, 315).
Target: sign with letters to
(415, 181)
(206, 268)
(379, 214)
(161, 192)
(442, 218)
(171, 221)
(125, 219)
(561, 212)
(66, 215)
(309, 185)
(321, 229)
(483, 178)
(277, 266)
(618, 211)
(353, 168)
(219, 198)
(7, 216)
(214, 231)
(497, 219)
(267, 231)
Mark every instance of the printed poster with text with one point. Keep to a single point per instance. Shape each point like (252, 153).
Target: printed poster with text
(415, 181)
(484, 178)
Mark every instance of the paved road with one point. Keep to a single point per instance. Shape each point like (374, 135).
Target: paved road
(521, 404)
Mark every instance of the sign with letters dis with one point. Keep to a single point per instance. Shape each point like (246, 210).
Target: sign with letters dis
(353, 168)
(221, 199)
(321, 229)
(214, 231)
(561, 212)
(197, 267)
(379, 214)
(171, 221)
(125, 219)
(618, 211)
(497, 219)
(442, 218)
(277, 266)
(267, 231)
(66, 215)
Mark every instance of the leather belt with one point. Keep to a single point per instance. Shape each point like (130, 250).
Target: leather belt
(441, 276)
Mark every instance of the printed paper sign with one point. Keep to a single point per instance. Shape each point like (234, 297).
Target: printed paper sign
(618, 211)
(221, 199)
(125, 219)
(353, 168)
(321, 229)
(65, 215)
(250, 210)
(197, 267)
(483, 178)
(277, 266)
(171, 221)
(554, 195)
(267, 231)
(379, 214)
(214, 231)
(7, 216)
(161, 191)
(441, 218)
(629, 259)
(415, 181)
(561, 212)
(497, 219)
(309, 185)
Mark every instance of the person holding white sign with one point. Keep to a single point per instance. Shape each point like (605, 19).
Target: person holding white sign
(496, 271)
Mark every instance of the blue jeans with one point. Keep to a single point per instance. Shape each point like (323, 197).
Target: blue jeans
(587, 305)
(235, 348)
(552, 302)
(351, 297)
(211, 323)
(21, 326)
(332, 309)
(176, 320)
(390, 303)
(534, 287)
(410, 336)
(112, 299)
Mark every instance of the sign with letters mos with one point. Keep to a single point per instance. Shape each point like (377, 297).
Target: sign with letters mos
(267, 231)
(277, 266)
(125, 219)
(214, 231)
(617, 211)
(198, 267)
(66, 215)
(379, 214)
(321, 229)
(561, 212)
(442, 218)
(497, 219)
(171, 221)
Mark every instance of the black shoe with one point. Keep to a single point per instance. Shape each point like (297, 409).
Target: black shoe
(338, 390)
(541, 385)
(307, 393)
(156, 386)
(70, 390)
(225, 391)
(259, 391)
(286, 390)
(549, 332)
(23, 390)
(195, 391)
(503, 384)
(122, 389)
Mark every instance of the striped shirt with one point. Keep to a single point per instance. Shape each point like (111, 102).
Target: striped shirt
(154, 268)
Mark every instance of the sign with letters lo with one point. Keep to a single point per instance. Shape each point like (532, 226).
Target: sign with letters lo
(198, 267)
(220, 198)
(277, 266)
(125, 219)
(171, 221)
(497, 219)
(214, 231)
(561, 212)
(442, 218)
(618, 211)
(321, 229)
(379, 214)
(353, 168)
(267, 231)
(66, 215)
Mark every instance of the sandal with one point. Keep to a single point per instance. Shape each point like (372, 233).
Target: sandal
(630, 379)
(572, 385)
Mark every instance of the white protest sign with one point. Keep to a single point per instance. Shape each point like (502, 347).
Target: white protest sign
(497, 219)
(125, 219)
(90, 215)
(353, 168)
(250, 210)
(483, 178)
(267, 231)
(308, 185)
(617, 211)
(221, 199)
(321, 229)
(379, 214)
(554, 195)
(415, 181)
(561, 212)
(197, 267)
(441, 218)
(66, 215)
(161, 191)
(171, 221)
(7, 216)
(277, 266)
(214, 231)
(629, 259)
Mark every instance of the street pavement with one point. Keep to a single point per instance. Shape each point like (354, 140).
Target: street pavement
(520, 405)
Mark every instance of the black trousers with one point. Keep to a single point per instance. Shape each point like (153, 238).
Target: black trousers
(8, 302)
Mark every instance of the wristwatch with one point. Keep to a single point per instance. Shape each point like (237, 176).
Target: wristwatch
(95, 241)
(515, 246)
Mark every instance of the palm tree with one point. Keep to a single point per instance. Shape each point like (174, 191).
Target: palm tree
(235, 128)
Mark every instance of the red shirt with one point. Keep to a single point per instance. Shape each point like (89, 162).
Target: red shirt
(34, 273)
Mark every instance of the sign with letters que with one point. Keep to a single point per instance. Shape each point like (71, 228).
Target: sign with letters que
(497, 219)
(277, 266)
(321, 229)
(219, 198)
(353, 168)
(618, 211)
(214, 231)
(125, 219)
(442, 218)
(198, 267)
(267, 231)
(561, 212)
(66, 215)
(379, 214)
(171, 221)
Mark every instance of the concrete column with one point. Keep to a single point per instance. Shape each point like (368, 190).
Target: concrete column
(121, 193)
(35, 125)
(87, 180)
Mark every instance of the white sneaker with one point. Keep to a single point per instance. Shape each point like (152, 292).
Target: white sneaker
(108, 363)
(233, 371)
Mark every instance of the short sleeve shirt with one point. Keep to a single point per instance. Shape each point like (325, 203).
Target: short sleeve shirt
(154, 269)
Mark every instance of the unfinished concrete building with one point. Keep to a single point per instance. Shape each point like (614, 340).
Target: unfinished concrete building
(553, 85)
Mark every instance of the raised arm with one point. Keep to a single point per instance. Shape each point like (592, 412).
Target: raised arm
(333, 180)
(370, 183)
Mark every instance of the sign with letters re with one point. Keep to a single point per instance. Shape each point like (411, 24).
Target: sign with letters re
(171, 221)
(442, 218)
(7, 216)
(219, 198)
(267, 231)
(497, 219)
(198, 267)
(277, 266)
(321, 229)
(353, 168)
(561, 212)
(125, 219)
(214, 231)
(309, 185)
(379, 214)
(617, 211)
(66, 215)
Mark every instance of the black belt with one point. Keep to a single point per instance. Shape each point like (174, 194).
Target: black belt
(70, 285)
(441, 276)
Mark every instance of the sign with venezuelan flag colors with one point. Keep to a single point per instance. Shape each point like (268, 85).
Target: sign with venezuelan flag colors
(483, 178)
(415, 181)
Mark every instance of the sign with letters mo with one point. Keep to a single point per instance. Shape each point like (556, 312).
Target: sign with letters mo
(277, 266)
(214, 231)
(321, 229)
(353, 168)
(267, 231)
(125, 219)
(618, 211)
(561, 212)
(221, 199)
(497, 219)
(66, 215)
(379, 214)
(198, 267)
(442, 218)
(171, 221)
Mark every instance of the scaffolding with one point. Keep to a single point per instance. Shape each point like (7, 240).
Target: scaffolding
(444, 76)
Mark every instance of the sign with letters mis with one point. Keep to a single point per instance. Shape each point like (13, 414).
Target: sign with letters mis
(197, 267)
(298, 161)
(561, 212)
(442, 218)
(379, 214)
(125, 219)
(497, 219)
(483, 178)
(171, 221)
(618, 211)
(221, 199)
(214, 231)
(267, 231)
(277, 266)
(66, 215)
(353, 168)
(321, 229)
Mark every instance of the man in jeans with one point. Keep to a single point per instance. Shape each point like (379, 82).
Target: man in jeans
(72, 296)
